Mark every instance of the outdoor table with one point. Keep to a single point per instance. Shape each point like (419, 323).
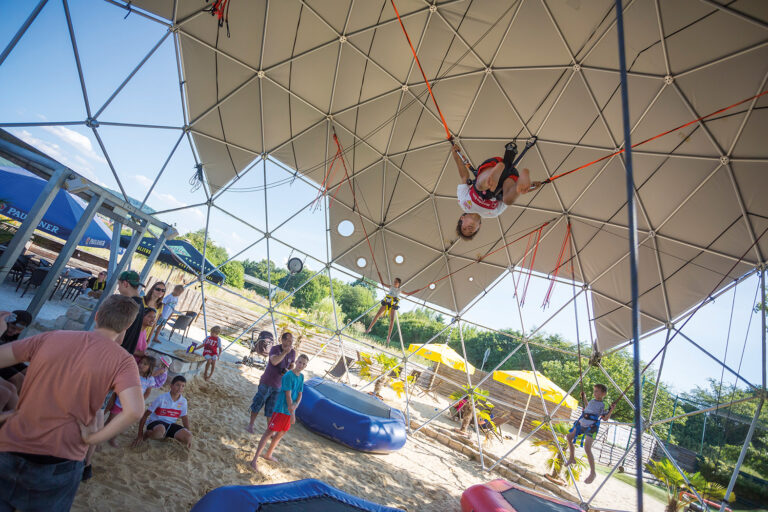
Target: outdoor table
(70, 274)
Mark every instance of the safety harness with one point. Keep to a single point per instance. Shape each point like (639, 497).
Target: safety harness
(582, 431)
(391, 302)
(510, 160)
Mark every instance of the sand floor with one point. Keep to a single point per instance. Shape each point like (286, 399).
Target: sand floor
(423, 476)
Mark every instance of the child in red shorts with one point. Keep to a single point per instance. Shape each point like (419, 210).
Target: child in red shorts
(284, 414)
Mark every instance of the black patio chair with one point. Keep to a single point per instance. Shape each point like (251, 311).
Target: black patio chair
(181, 323)
(75, 288)
(20, 269)
(35, 279)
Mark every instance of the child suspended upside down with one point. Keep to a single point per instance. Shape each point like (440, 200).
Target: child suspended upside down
(588, 425)
(390, 303)
(487, 191)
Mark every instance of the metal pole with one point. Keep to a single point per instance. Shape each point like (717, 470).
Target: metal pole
(30, 223)
(632, 214)
(156, 250)
(66, 253)
(743, 453)
(703, 433)
(109, 288)
(114, 248)
(22, 30)
(765, 305)
(674, 409)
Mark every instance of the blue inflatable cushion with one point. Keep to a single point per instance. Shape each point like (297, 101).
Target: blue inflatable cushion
(354, 399)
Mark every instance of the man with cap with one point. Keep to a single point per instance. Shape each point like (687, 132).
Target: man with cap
(15, 373)
(128, 286)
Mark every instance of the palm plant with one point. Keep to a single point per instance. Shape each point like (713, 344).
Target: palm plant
(380, 368)
(706, 489)
(673, 479)
(557, 444)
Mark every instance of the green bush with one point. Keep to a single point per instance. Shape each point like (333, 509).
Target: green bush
(746, 487)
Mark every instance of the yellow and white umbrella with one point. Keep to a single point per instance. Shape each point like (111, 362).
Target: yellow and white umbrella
(534, 384)
(441, 354)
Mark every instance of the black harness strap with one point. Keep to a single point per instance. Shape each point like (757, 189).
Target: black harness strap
(511, 159)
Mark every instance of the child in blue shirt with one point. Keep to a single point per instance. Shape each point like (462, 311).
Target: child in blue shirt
(284, 414)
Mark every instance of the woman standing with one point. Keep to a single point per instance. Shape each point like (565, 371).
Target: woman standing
(154, 299)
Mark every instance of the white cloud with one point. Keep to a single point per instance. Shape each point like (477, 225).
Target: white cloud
(76, 162)
(77, 140)
(168, 200)
(143, 181)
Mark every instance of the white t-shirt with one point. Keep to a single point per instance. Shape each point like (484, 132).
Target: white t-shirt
(596, 407)
(170, 306)
(394, 292)
(165, 409)
(471, 202)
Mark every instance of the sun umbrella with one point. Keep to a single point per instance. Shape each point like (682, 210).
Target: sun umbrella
(441, 354)
(534, 383)
(19, 190)
(177, 253)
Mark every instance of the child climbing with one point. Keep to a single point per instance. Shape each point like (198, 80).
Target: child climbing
(588, 425)
(487, 191)
(390, 303)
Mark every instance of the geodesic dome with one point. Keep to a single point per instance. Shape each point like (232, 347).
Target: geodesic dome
(281, 79)
(282, 76)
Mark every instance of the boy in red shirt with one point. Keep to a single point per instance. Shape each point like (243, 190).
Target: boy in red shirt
(211, 351)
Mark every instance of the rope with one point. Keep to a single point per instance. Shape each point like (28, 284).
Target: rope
(340, 152)
(530, 267)
(689, 123)
(429, 87)
(701, 304)
(552, 279)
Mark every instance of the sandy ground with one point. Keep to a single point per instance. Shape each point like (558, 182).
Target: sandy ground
(423, 476)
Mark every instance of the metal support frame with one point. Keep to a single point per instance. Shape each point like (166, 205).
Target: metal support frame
(28, 226)
(152, 259)
(109, 288)
(46, 287)
(577, 56)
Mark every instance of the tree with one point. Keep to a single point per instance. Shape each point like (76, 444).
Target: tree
(234, 272)
(213, 253)
(354, 301)
(557, 438)
(309, 295)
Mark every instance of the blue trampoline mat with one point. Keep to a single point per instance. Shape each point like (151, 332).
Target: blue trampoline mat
(317, 504)
(354, 399)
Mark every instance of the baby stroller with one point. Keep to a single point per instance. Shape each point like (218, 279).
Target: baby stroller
(257, 358)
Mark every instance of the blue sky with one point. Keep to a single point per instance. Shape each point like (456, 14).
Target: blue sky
(40, 84)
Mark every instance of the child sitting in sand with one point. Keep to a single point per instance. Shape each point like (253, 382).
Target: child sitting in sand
(149, 377)
(163, 413)
(588, 425)
(285, 410)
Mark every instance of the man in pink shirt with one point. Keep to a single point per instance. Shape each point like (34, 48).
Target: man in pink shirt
(43, 444)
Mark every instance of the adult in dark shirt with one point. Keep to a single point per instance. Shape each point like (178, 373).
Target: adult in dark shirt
(128, 286)
(15, 373)
(281, 358)
(96, 285)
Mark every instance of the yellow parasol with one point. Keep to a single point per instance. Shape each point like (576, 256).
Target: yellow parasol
(526, 382)
(441, 354)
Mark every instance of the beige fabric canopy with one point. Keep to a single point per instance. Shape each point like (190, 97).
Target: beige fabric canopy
(291, 71)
